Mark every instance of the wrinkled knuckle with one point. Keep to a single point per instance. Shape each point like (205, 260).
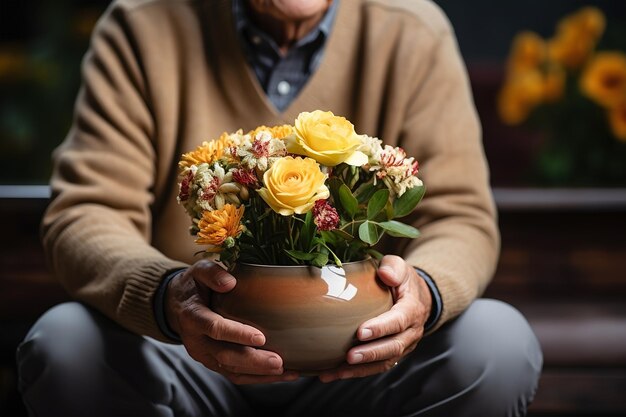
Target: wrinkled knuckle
(373, 356)
(404, 321)
(398, 347)
(213, 329)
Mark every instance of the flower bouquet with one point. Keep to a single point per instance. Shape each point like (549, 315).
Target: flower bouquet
(572, 89)
(294, 212)
(308, 194)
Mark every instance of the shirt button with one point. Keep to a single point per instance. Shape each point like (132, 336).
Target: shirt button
(283, 88)
(256, 39)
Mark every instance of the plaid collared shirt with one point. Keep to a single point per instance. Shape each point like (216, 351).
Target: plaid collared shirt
(282, 77)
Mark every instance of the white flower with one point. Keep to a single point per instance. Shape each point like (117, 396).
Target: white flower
(398, 172)
(211, 188)
(262, 152)
(372, 147)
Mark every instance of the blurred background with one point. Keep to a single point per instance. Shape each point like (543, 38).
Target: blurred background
(549, 81)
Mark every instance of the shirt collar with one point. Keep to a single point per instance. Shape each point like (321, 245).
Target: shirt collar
(243, 23)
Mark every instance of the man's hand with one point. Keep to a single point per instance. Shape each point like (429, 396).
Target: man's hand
(393, 334)
(225, 346)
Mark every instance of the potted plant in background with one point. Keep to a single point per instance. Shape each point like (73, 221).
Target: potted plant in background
(295, 212)
(573, 91)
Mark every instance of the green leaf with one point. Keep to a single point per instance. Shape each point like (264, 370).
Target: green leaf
(369, 233)
(348, 201)
(375, 254)
(336, 236)
(333, 185)
(377, 203)
(320, 260)
(407, 202)
(364, 192)
(301, 256)
(308, 231)
(398, 229)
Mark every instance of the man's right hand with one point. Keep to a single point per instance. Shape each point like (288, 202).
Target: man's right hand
(222, 345)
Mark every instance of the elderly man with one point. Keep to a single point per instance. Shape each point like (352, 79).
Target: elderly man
(162, 75)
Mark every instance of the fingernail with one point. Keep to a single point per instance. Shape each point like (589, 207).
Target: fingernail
(222, 282)
(387, 270)
(366, 334)
(274, 362)
(258, 340)
(356, 358)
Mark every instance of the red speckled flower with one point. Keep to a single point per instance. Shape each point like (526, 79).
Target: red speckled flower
(325, 216)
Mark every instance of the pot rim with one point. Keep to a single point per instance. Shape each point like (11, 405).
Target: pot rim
(369, 258)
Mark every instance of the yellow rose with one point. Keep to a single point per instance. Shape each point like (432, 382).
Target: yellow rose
(293, 185)
(327, 138)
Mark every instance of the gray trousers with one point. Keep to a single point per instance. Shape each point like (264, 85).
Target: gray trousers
(75, 362)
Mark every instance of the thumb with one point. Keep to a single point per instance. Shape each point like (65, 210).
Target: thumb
(211, 275)
(391, 270)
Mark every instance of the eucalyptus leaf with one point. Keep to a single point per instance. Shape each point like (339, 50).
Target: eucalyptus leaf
(408, 201)
(348, 201)
(369, 232)
(377, 203)
(397, 229)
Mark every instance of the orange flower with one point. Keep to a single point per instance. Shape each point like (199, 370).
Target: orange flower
(604, 79)
(277, 132)
(527, 53)
(519, 96)
(220, 227)
(617, 120)
(208, 152)
(576, 37)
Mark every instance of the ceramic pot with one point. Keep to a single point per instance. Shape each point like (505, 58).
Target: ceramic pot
(308, 315)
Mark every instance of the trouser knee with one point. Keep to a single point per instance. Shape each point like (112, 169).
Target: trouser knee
(496, 357)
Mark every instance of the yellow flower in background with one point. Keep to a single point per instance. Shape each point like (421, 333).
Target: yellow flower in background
(588, 21)
(520, 95)
(219, 228)
(576, 37)
(617, 120)
(553, 83)
(208, 152)
(293, 185)
(527, 53)
(277, 132)
(604, 79)
(327, 138)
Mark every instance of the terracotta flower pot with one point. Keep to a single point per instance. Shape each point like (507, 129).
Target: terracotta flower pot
(308, 315)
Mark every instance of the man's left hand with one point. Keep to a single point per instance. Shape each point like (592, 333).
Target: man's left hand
(390, 336)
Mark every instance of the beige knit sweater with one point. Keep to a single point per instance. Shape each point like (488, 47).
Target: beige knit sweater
(161, 76)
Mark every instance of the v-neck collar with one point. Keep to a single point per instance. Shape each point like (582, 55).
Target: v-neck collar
(241, 87)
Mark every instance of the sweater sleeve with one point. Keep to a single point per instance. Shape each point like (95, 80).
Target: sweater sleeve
(459, 242)
(97, 229)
